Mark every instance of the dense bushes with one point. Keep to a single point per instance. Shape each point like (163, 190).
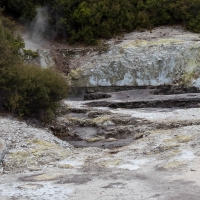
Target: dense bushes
(88, 20)
(26, 90)
(31, 91)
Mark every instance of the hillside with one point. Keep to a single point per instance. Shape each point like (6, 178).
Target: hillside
(86, 21)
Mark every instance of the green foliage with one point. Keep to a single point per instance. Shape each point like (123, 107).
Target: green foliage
(26, 90)
(32, 91)
(21, 8)
(9, 44)
(88, 20)
(29, 54)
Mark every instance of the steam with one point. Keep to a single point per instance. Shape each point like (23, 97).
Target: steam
(39, 26)
(36, 31)
(35, 37)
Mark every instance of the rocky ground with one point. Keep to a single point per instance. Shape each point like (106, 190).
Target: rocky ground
(124, 146)
(143, 153)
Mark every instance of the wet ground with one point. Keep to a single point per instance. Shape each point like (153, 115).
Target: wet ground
(163, 165)
(148, 98)
(116, 119)
(140, 154)
(102, 184)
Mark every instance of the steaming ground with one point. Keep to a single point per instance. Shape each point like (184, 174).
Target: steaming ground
(34, 32)
(29, 44)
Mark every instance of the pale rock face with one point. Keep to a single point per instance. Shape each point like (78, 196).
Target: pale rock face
(45, 59)
(2, 150)
(143, 63)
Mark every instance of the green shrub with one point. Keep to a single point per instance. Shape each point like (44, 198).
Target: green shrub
(29, 55)
(32, 91)
(26, 90)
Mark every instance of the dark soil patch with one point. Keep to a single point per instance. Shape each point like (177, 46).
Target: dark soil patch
(179, 89)
(179, 103)
(104, 144)
(95, 96)
(150, 98)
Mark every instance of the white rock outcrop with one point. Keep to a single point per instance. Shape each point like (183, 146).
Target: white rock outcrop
(45, 58)
(144, 62)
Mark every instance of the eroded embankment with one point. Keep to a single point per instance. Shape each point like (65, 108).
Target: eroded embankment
(149, 98)
(109, 120)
